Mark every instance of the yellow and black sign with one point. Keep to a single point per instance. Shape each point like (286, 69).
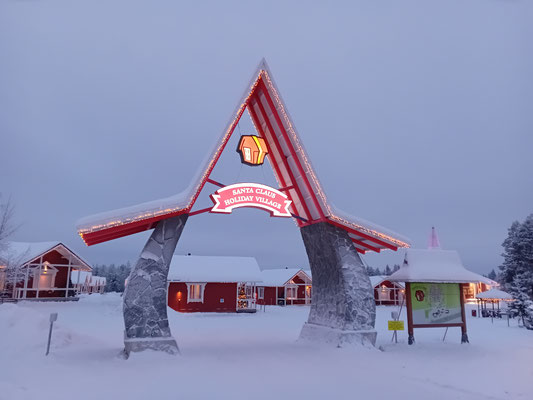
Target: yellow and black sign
(396, 326)
(252, 149)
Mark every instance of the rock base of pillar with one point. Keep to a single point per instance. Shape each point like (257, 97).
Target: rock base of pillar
(165, 344)
(332, 337)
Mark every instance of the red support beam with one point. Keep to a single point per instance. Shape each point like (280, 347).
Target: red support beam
(203, 210)
(360, 243)
(213, 182)
(291, 147)
(283, 158)
(273, 160)
(363, 235)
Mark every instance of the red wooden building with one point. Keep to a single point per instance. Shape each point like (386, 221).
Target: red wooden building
(39, 271)
(289, 286)
(387, 293)
(213, 284)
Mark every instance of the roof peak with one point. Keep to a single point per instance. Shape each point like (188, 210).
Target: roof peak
(434, 242)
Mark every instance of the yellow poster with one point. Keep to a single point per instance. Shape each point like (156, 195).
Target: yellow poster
(396, 326)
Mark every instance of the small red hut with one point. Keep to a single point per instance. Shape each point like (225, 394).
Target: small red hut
(213, 284)
(288, 286)
(387, 293)
(39, 271)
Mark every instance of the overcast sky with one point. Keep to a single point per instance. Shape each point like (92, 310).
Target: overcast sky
(414, 114)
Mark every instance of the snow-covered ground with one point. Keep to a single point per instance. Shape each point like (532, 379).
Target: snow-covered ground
(234, 356)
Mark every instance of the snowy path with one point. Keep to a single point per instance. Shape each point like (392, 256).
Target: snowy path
(251, 356)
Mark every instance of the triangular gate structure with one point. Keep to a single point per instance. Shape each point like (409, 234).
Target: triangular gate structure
(292, 169)
(343, 309)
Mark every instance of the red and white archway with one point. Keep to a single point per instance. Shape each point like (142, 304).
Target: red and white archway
(292, 169)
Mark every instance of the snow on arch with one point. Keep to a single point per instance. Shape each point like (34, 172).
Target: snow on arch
(292, 169)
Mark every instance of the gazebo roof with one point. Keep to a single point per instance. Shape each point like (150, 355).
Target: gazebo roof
(494, 294)
(435, 265)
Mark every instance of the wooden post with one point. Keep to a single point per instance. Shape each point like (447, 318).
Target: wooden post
(411, 336)
(68, 274)
(464, 335)
(26, 277)
(39, 280)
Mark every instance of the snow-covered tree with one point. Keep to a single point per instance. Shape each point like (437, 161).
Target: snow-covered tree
(387, 271)
(517, 269)
(6, 222)
(492, 275)
(115, 275)
(10, 273)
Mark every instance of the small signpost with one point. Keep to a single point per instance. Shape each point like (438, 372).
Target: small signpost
(395, 325)
(53, 318)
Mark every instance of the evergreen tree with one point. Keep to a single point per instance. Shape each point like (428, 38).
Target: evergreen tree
(492, 275)
(522, 305)
(517, 269)
(395, 268)
(387, 271)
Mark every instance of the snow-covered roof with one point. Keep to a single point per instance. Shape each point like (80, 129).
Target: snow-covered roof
(214, 269)
(80, 277)
(435, 266)
(278, 277)
(377, 279)
(24, 252)
(494, 294)
(98, 280)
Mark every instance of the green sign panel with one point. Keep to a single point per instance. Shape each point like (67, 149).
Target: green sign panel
(436, 303)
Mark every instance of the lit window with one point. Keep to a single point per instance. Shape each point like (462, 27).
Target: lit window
(260, 292)
(292, 293)
(44, 277)
(195, 292)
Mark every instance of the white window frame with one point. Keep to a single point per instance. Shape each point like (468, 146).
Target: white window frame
(261, 293)
(40, 271)
(201, 290)
(290, 289)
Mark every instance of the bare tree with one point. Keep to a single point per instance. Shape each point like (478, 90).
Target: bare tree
(6, 221)
(10, 272)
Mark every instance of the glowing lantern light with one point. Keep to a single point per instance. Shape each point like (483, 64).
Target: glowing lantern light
(252, 150)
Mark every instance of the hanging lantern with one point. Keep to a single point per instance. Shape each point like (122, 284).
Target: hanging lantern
(252, 150)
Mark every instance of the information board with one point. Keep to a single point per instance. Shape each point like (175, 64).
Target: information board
(436, 303)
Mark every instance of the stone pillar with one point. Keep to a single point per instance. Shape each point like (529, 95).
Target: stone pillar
(343, 311)
(145, 297)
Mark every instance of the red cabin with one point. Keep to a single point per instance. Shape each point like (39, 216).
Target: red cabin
(213, 284)
(39, 271)
(289, 286)
(386, 292)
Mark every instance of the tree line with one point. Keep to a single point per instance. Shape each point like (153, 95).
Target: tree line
(115, 275)
(386, 271)
(516, 271)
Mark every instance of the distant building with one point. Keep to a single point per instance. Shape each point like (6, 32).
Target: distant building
(84, 282)
(288, 286)
(213, 284)
(39, 271)
(387, 293)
